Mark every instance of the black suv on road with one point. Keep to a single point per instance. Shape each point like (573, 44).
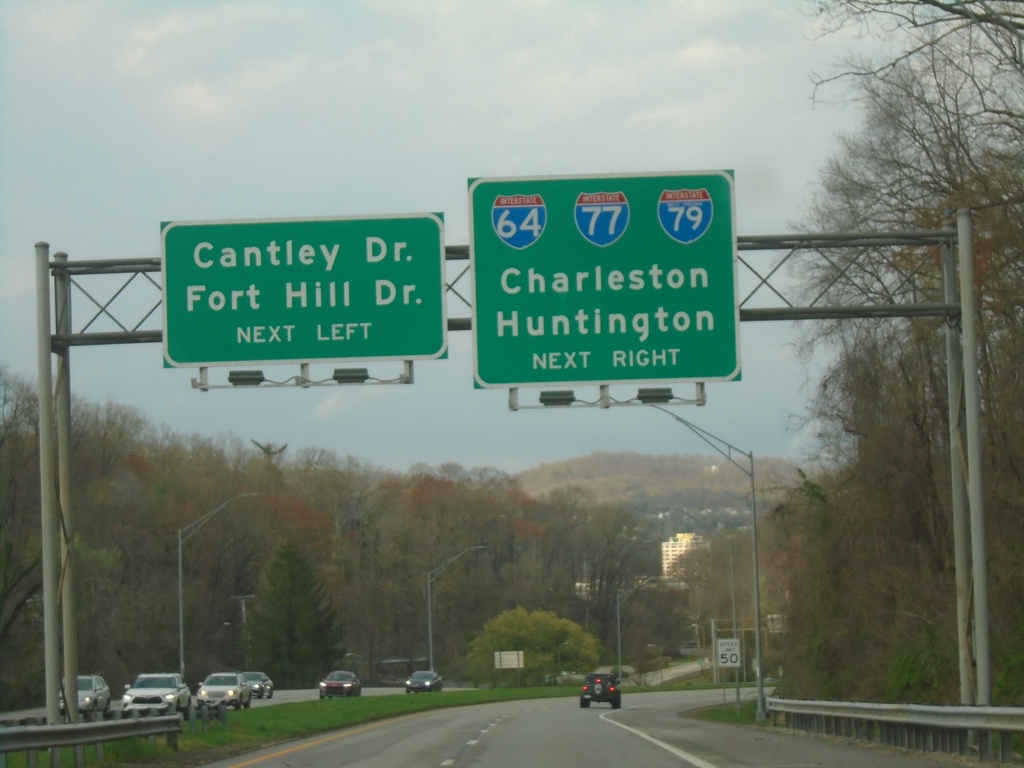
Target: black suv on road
(601, 687)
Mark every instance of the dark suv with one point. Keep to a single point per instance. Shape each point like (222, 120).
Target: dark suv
(601, 687)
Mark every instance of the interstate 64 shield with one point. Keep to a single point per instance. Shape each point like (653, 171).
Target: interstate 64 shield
(604, 279)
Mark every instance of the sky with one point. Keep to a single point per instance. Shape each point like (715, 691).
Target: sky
(117, 116)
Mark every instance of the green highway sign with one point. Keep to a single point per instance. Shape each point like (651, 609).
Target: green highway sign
(301, 290)
(604, 279)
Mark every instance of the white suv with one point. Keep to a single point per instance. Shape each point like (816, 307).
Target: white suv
(163, 691)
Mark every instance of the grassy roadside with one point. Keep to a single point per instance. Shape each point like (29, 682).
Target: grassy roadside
(253, 729)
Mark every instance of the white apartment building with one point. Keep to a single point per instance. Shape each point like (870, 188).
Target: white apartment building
(677, 547)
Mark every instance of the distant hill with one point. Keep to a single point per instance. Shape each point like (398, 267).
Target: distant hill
(650, 483)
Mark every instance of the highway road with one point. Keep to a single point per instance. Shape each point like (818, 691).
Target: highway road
(651, 731)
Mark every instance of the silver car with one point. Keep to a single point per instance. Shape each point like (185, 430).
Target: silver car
(93, 694)
(228, 687)
(164, 691)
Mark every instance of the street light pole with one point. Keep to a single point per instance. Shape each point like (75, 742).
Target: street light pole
(761, 713)
(431, 575)
(558, 653)
(619, 598)
(727, 450)
(184, 534)
(245, 628)
(735, 621)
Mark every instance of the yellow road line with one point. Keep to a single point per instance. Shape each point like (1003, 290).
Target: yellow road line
(333, 737)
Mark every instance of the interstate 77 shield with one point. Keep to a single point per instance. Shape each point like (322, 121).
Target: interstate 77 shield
(604, 279)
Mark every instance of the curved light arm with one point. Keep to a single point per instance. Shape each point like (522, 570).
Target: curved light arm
(725, 448)
(186, 532)
(431, 575)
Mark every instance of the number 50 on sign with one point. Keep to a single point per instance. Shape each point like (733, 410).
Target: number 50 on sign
(728, 652)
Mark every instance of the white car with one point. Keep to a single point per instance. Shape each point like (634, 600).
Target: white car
(164, 691)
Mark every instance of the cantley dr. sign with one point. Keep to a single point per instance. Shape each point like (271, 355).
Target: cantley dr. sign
(590, 279)
(293, 290)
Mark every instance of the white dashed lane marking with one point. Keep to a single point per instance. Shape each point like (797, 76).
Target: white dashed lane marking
(451, 761)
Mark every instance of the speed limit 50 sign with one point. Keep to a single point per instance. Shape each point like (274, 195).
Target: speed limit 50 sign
(728, 652)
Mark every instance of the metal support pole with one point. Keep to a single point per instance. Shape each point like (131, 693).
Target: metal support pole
(430, 626)
(181, 614)
(972, 387)
(618, 633)
(245, 629)
(69, 600)
(47, 488)
(735, 622)
(762, 713)
(958, 493)
(714, 650)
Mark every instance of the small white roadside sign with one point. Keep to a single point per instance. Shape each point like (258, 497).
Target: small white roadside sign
(728, 652)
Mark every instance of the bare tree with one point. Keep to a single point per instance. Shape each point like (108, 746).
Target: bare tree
(870, 545)
(927, 23)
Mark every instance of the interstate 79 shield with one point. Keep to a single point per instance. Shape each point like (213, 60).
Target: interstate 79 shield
(685, 214)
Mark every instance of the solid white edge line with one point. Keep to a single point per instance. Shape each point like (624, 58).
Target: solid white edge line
(667, 747)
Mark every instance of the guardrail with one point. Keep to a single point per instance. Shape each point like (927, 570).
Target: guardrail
(32, 738)
(956, 729)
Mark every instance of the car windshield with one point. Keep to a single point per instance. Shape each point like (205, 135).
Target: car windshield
(343, 676)
(222, 680)
(422, 675)
(154, 682)
(257, 676)
(84, 683)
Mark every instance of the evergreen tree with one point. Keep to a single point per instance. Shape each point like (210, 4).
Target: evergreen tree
(296, 632)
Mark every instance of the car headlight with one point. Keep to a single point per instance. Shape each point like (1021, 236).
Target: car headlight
(169, 696)
(323, 685)
(202, 691)
(127, 698)
(87, 699)
(231, 693)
